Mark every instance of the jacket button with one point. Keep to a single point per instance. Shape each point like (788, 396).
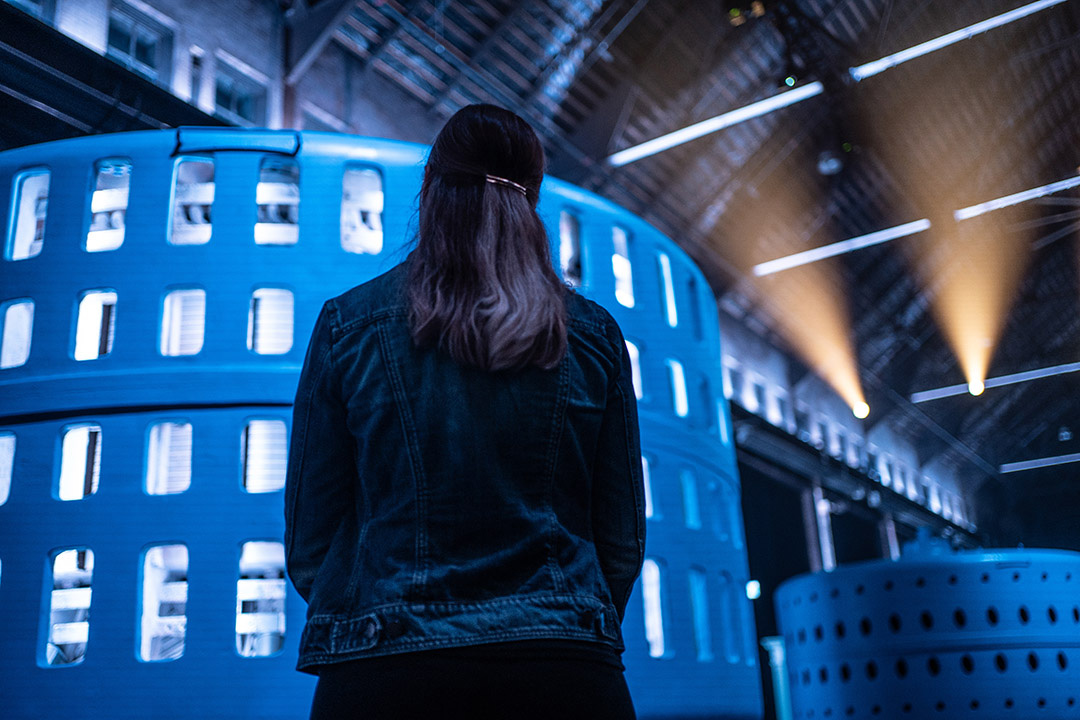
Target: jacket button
(369, 630)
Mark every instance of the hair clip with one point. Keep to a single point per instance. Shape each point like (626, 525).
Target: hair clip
(496, 180)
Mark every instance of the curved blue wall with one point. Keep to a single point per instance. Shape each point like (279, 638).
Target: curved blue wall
(706, 662)
(981, 634)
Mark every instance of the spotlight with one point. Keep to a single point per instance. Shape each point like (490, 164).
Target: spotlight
(976, 387)
(861, 410)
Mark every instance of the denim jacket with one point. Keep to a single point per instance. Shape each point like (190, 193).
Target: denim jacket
(432, 505)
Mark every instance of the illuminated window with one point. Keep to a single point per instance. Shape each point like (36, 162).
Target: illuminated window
(96, 324)
(260, 599)
(18, 319)
(691, 507)
(264, 450)
(728, 623)
(620, 266)
(163, 611)
(108, 205)
(635, 367)
(80, 461)
(278, 197)
(679, 399)
(183, 321)
(69, 606)
(652, 597)
(671, 313)
(193, 200)
(648, 486)
(570, 248)
(168, 458)
(722, 421)
(7, 464)
(361, 211)
(29, 206)
(270, 321)
(699, 608)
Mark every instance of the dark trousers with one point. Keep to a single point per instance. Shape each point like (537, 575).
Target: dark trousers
(444, 684)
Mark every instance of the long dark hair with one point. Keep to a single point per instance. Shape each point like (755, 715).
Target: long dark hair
(481, 281)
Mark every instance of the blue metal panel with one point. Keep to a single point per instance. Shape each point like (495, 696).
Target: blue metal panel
(218, 389)
(981, 634)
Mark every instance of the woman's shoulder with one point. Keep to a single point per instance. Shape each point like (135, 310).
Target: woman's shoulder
(380, 296)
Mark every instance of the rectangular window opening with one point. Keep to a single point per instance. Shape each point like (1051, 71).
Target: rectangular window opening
(620, 266)
(270, 321)
(163, 621)
(652, 598)
(95, 325)
(237, 97)
(260, 599)
(635, 367)
(183, 322)
(69, 606)
(718, 499)
(138, 43)
(264, 449)
(728, 617)
(18, 319)
(80, 461)
(26, 235)
(168, 458)
(691, 506)
(679, 399)
(7, 464)
(647, 482)
(193, 200)
(671, 313)
(570, 248)
(699, 607)
(278, 197)
(108, 205)
(361, 211)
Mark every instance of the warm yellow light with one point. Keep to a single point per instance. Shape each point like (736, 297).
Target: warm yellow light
(861, 410)
(976, 387)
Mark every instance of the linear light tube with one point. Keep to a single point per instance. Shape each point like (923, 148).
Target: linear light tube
(1039, 463)
(873, 68)
(1016, 198)
(1019, 377)
(781, 100)
(839, 248)
(734, 117)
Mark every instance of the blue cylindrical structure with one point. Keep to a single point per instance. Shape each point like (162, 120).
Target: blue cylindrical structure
(156, 294)
(975, 634)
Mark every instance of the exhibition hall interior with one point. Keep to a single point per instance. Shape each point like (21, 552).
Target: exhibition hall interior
(840, 238)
